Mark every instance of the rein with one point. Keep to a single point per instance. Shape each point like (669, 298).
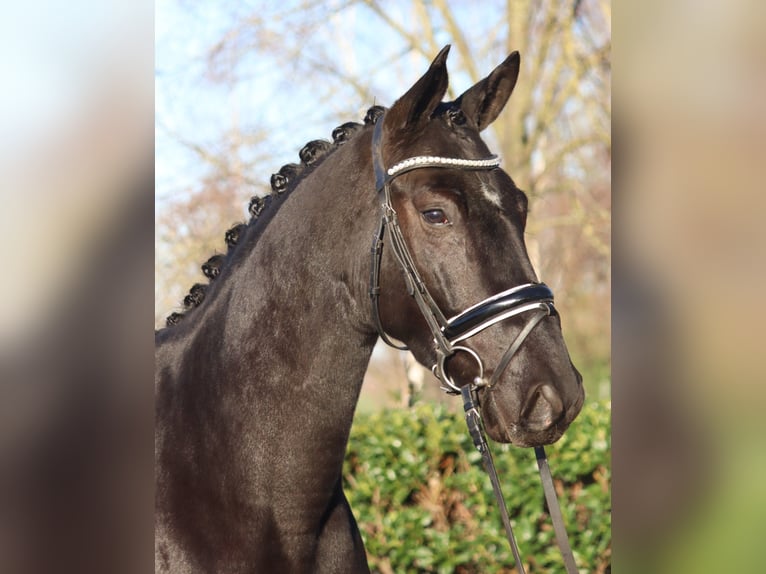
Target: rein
(535, 298)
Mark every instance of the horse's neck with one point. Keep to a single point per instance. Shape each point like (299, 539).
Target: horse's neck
(278, 353)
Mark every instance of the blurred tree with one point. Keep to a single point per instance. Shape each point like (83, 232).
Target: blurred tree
(320, 64)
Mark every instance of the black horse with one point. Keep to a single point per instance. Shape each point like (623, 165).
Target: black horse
(257, 382)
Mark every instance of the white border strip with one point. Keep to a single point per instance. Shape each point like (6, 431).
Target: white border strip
(497, 318)
(425, 160)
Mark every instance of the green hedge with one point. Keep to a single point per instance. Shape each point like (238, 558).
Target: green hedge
(424, 504)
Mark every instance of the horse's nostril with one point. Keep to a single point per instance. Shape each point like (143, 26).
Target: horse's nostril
(543, 408)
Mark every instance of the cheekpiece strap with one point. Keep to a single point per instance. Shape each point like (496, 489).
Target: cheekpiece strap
(377, 155)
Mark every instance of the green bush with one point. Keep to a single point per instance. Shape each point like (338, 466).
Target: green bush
(425, 505)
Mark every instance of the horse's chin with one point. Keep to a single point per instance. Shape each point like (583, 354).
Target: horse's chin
(519, 436)
(500, 429)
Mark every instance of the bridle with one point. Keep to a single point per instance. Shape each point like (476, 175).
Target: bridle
(447, 333)
(534, 299)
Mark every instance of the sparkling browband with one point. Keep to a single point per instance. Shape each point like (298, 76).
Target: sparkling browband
(427, 160)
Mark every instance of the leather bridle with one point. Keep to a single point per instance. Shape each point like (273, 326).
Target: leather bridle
(534, 298)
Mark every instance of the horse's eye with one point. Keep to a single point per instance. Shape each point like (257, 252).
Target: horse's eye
(435, 217)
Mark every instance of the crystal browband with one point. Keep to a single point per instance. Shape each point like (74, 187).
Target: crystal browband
(436, 161)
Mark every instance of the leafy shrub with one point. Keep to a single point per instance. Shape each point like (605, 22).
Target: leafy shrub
(425, 505)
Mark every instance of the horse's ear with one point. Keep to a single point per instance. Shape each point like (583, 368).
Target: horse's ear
(415, 107)
(483, 102)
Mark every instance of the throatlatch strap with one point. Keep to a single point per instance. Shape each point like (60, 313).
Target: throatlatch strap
(376, 254)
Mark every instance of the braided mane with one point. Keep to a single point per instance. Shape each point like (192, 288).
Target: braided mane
(262, 208)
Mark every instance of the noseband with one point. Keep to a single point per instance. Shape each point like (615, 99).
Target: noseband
(535, 298)
(448, 333)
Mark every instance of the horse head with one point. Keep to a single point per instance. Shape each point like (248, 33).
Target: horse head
(469, 304)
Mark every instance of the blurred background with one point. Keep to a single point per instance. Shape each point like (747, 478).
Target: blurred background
(76, 183)
(688, 282)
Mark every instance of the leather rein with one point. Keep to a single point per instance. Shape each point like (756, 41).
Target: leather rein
(534, 298)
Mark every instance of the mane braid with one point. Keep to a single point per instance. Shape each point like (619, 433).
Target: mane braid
(196, 295)
(212, 267)
(262, 208)
(232, 235)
